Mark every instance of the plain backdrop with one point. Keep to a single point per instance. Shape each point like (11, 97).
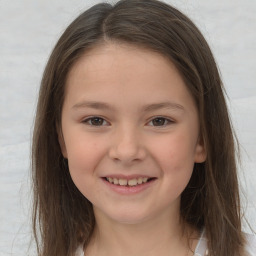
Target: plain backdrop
(28, 31)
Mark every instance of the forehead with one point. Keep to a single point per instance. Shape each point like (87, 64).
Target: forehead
(124, 70)
(131, 59)
(126, 55)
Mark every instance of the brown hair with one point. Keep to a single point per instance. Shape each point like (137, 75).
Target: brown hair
(62, 215)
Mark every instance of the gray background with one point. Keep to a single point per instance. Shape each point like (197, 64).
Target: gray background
(29, 30)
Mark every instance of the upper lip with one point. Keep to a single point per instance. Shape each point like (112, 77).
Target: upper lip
(127, 177)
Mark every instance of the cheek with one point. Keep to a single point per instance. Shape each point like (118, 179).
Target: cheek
(175, 157)
(83, 153)
(175, 151)
(83, 159)
(177, 163)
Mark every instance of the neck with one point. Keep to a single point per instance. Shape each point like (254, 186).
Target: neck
(163, 235)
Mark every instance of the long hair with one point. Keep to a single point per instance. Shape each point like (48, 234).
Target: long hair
(62, 217)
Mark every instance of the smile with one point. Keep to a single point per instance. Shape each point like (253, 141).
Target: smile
(128, 182)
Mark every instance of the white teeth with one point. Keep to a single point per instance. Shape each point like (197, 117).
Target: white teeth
(132, 182)
(124, 182)
(140, 180)
(144, 179)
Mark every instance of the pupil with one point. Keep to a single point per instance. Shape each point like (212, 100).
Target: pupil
(158, 121)
(97, 121)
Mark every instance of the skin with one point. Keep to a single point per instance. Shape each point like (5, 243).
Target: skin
(128, 139)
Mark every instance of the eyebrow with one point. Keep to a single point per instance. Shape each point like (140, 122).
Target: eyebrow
(163, 105)
(146, 108)
(92, 104)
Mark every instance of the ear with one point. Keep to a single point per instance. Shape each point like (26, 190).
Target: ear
(200, 152)
(61, 142)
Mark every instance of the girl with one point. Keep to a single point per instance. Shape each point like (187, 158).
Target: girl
(133, 151)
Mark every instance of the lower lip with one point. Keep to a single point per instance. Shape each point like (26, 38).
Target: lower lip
(129, 190)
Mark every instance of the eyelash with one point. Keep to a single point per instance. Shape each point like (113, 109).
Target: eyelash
(89, 120)
(166, 121)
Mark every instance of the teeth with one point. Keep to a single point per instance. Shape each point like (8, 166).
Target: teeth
(132, 182)
(140, 180)
(124, 182)
(144, 179)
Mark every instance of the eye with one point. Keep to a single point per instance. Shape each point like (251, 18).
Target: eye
(160, 121)
(95, 121)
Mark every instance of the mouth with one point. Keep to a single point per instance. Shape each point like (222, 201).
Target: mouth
(129, 182)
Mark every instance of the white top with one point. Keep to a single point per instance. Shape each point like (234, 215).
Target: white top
(201, 248)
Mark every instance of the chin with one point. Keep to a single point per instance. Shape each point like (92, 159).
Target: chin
(123, 216)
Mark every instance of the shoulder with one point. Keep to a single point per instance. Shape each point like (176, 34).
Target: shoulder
(250, 244)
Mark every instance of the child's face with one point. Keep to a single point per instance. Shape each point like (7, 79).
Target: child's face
(128, 115)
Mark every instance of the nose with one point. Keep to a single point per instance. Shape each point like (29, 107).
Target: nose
(127, 146)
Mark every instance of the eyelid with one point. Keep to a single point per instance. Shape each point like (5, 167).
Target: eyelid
(169, 120)
(87, 119)
(106, 123)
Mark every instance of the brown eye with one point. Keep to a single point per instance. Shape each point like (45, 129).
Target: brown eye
(160, 121)
(95, 121)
